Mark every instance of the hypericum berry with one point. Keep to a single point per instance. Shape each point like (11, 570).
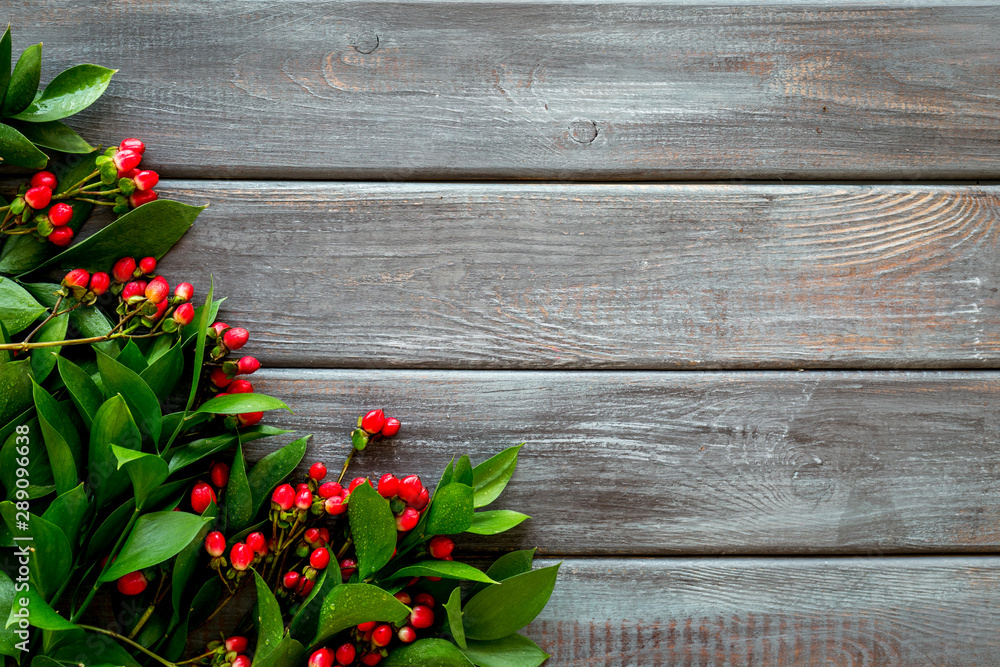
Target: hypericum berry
(249, 418)
(421, 502)
(241, 556)
(248, 365)
(441, 546)
(184, 315)
(391, 427)
(299, 488)
(388, 485)
(305, 587)
(407, 520)
(146, 180)
(348, 567)
(147, 265)
(371, 659)
(218, 473)
(161, 307)
(44, 179)
(140, 197)
(61, 236)
(235, 338)
(99, 283)
(373, 421)
(304, 499)
(219, 378)
(356, 482)
(237, 644)
(257, 542)
(284, 496)
(77, 278)
(291, 580)
(202, 496)
(219, 328)
(321, 658)
(409, 488)
(240, 661)
(134, 289)
(407, 635)
(123, 269)
(215, 544)
(421, 617)
(157, 289)
(367, 627)
(38, 197)
(346, 654)
(329, 490)
(403, 597)
(184, 291)
(313, 538)
(317, 471)
(132, 583)
(425, 599)
(60, 214)
(133, 144)
(240, 387)
(319, 558)
(126, 159)
(382, 635)
(334, 505)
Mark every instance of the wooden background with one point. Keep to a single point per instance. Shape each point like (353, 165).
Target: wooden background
(730, 271)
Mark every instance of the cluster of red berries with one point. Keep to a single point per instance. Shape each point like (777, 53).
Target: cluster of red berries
(223, 375)
(121, 165)
(203, 495)
(372, 426)
(230, 652)
(53, 224)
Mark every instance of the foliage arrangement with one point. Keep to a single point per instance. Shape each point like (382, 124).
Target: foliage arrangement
(124, 412)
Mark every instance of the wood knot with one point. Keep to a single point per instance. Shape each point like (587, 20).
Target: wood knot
(583, 131)
(365, 41)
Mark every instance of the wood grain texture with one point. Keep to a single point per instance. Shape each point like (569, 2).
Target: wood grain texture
(559, 90)
(601, 276)
(643, 463)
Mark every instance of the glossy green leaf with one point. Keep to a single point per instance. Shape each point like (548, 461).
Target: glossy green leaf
(19, 151)
(148, 231)
(162, 375)
(447, 476)
(373, 528)
(155, 538)
(82, 390)
(429, 652)
(446, 569)
(68, 511)
(508, 565)
(141, 400)
(5, 61)
(506, 607)
(18, 310)
(511, 651)
(288, 652)
(99, 650)
(88, 322)
(235, 404)
(303, 625)
(51, 561)
(15, 388)
(189, 562)
(23, 81)
(39, 470)
(490, 477)
(350, 604)
(56, 135)
(199, 449)
(8, 640)
(271, 470)
(463, 471)
(43, 359)
(37, 611)
(72, 91)
(239, 502)
(147, 471)
(131, 358)
(270, 625)
(113, 425)
(62, 441)
(453, 607)
(191, 330)
(451, 511)
(204, 601)
(107, 533)
(173, 650)
(493, 522)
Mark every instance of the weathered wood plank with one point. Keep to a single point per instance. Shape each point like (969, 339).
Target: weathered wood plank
(604, 90)
(688, 463)
(602, 276)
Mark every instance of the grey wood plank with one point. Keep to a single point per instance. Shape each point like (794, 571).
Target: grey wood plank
(642, 463)
(601, 276)
(558, 90)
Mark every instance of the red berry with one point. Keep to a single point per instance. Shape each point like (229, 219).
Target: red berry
(218, 472)
(303, 499)
(44, 179)
(147, 265)
(38, 197)
(348, 567)
(329, 490)
(123, 269)
(409, 488)
(219, 378)
(136, 288)
(132, 583)
(238, 644)
(407, 635)
(257, 542)
(324, 535)
(367, 627)
(346, 654)
(184, 291)
(373, 421)
(241, 556)
(99, 283)
(314, 538)
(356, 482)
(240, 387)
(284, 496)
(219, 327)
(77, 278)
(126, 159)
(388, 485)
(146, 180)
(61, 236)
(334, 505)
(135, 145)
(240, 661)
(407, 520)
(321, 658)
(441, 546)
(184, 315)
(157, 289)
(305, 587)
(291, 580)
(421, 502)
(371, 659)
(421, 617)
(215, 544)
(248, 365)
(391, 427)
(140, 197)
(317, 471)
(235, 338)
(60, 214)
(202, 496)
(425, 599)
(403, 597)
(300, 487)
(319, 558)
(382, 635)
(249, 418)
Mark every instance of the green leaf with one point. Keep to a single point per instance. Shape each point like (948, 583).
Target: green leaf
(107, 533)
(373, 528)
(428, 652)
(162, 375)
(511, 564)
(191, 330)
(189, 560)
(493, 522)
(451, 511)
(15, 388)
(56, 135)
(50, 564)
(148, 231)
(510, 651)
(271, 470)
(155, 538)
(113, 425)
(90, 322)
(350, 604)
(38, 612)
(146, 471)
(287, 652)
(17, 308)
(239, 502)
(454, 610)
(82, 390)
(205, 600)
(447, 476)
(235, 404)
(43, 359)
(131, 358)
(5, 58)
(270, 625)
(505, 608)
(303, 625)
(199, 449)
(446, 569)
(8, 640)
(17, 150)
(463, 471)
(99, 651)
(62, 442)
(491, 476)
(68, 511)
(23, 81)
(39, 470)
(72, 91)
(140, 398)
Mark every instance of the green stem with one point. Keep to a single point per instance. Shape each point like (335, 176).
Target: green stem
(343, 470)
(94, 201)
(126, 640)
